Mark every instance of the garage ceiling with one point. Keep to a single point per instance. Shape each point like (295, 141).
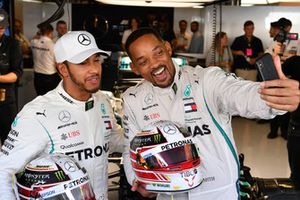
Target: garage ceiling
(182, 3)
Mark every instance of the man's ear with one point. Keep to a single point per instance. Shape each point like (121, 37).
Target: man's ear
(62, 70)
(134, 69)
(168, 47)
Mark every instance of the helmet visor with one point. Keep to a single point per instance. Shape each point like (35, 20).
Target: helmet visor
(67, 191)
(168, 158)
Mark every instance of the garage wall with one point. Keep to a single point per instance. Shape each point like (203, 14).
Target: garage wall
(233, 19)
(32, 13)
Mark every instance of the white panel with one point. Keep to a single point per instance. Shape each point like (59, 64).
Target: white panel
(190, 14)
(31, 17)
(35, 13)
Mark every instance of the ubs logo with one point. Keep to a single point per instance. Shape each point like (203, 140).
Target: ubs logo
(64, 116)
(84, 39)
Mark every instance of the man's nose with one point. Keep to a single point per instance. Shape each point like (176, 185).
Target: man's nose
(95, 67)
(154, 63)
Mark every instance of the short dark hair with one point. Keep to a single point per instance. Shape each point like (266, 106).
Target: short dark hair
(61, 22)
(284, 22)
(248, 23)
(183, 20)
(275, 24)
(195, 22)
(139, 33)
(219, 36)
(46, 28)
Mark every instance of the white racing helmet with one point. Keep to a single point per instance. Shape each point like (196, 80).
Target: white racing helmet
(166, 158)
(53, 177)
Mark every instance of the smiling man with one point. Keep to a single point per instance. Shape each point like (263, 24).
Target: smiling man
(75, 118)
(168, 92)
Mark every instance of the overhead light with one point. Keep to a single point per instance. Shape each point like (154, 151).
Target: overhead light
(32, 1)
(153, 3)
(198, 6)
(256, 2)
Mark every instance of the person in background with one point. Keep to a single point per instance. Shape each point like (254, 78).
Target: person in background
(273, 32)
(61, 29)
(291, 68)
(286, 49)
(183, 38)
(202, 100)
(10, 73)
(196, 45)
(134, 24)
(151, 20)
(274, 29)
(246, 49)
(46, 77)
(165, 30)
(289, 47)
(280, 121)
(25, 44)
(220, 55)
(75, 118)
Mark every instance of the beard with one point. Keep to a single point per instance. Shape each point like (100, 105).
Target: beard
(81, 84)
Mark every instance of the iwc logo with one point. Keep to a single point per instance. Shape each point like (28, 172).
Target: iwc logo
(84, 39)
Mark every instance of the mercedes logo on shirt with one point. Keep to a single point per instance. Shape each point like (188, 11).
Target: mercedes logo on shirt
(148, 99)
(69, 166)
(170, 129)
(84, 39)
(64, 116)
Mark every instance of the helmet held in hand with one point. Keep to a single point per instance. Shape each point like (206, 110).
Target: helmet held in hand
(166, 158)
(54, 176)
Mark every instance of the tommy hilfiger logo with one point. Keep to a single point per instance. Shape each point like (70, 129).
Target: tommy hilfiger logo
(108, 124)
(190, 107)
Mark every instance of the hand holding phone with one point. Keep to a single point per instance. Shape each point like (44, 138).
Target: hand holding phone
(266, 67)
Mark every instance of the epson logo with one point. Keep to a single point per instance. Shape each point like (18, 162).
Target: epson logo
(46, 194)
(84, 154)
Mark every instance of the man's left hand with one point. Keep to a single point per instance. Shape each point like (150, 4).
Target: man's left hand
(281, 94)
